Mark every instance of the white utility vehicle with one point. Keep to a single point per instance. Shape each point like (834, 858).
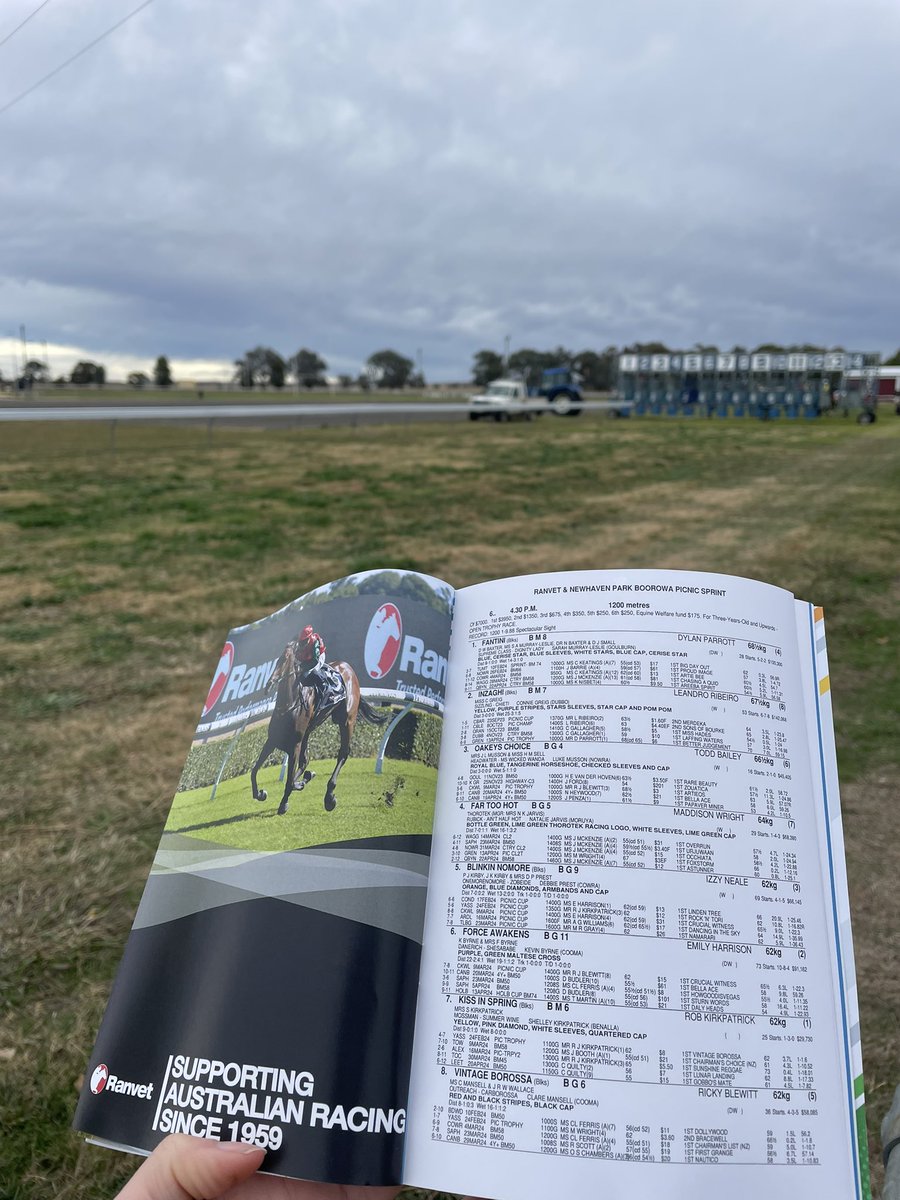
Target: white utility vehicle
(504, 399)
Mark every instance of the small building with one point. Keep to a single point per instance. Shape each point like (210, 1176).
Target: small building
(888, 381)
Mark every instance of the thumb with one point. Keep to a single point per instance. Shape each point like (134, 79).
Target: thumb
(187, 1168)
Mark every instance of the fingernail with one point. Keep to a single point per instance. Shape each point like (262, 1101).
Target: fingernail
(238, 1148)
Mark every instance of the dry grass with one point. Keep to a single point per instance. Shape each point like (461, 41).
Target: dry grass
(120, 573)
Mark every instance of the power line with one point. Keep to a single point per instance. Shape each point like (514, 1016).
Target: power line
(43, 4)
(56, 70)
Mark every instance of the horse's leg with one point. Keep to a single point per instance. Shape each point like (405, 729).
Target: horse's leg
(289, 779)
(343, 755)
(304, 728)
(301, 775)
(260, 794)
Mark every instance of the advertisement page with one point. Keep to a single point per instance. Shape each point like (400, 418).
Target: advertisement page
(267, 991)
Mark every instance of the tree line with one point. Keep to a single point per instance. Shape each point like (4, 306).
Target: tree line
(260, 367)
(86, 373)
(265, 367)
(597, 371)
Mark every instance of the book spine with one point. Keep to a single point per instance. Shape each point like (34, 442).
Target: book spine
(840, 902)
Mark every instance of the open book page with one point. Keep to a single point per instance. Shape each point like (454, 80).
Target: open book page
(628, 978)
(268, 988)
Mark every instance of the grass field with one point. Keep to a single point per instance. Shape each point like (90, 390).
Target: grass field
(119, 574)
(400, 801)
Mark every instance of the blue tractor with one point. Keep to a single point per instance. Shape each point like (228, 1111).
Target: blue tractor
(561, 388)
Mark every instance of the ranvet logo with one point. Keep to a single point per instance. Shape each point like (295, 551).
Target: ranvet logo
(223, 670)
(383, 641)
(102, 1081)
(99, 1078)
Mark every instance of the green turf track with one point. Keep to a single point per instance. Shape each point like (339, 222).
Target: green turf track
(363, 809)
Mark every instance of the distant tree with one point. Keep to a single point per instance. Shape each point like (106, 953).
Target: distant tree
(36, 371)
(345, 381)
(60, 381)
(162, 375)
(262, 367)
(307, 368)
(652, 348)
(138, 379)
(597, 371)
(88, 372)
(769, 348)
(893, 361)
(527, 363)
(276, 369)
(406, 583)
(388, 369)
(416, 380)
(561, 357)
(487, 365)
(531, 364)
(611, 357)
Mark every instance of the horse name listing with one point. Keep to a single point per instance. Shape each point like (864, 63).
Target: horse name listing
(632, 959)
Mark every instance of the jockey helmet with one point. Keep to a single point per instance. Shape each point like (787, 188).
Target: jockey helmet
(307, 635)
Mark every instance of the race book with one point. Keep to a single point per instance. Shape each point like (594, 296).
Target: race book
(531, 888)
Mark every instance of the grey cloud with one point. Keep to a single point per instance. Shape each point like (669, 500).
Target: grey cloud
(353, 175)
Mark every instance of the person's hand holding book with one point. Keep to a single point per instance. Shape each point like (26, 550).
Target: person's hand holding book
(186, 1168)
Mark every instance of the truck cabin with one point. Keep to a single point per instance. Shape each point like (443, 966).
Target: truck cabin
(559, 377)
(504, 389)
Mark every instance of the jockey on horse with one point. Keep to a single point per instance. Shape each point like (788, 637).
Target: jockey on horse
(315, 672)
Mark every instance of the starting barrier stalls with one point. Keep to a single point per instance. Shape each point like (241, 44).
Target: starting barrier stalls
(766, 386)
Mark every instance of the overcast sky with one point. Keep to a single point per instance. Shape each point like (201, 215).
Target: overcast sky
(350, 175)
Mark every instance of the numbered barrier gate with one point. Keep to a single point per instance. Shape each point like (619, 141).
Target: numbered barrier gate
(764, 386)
